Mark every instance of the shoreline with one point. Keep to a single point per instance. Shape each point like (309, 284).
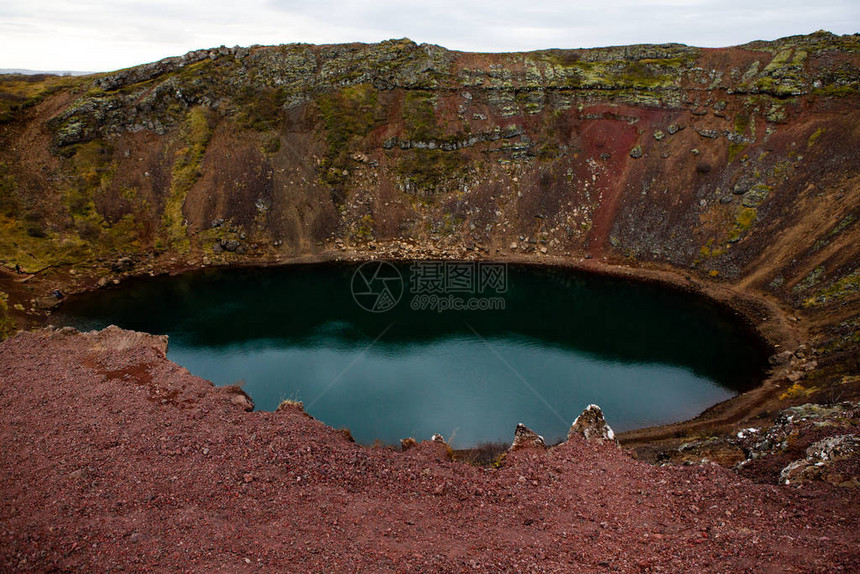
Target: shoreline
(761, 316)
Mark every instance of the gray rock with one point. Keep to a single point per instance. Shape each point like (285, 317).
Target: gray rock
(710, 134)
(755, 196)
(742, 186)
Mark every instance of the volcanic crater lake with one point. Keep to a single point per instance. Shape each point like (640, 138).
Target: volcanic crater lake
(536, 349)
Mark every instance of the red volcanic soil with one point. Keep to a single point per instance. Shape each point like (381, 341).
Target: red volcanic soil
(115, 458)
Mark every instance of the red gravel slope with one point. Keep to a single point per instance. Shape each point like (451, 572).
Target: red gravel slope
(114, 458)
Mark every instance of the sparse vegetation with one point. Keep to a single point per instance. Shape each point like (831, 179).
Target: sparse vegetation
(427, 170)
(485, 454)
(186, 170)
(814, 137)
(261, 107)
(347, 114)
(363, 229)
(836, 291)
(7, 323)
(19, 92)
(290, 403)
(744, 220)
(419, 115)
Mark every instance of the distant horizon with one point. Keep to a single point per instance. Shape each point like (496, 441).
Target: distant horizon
(102, 36)
(62, 72)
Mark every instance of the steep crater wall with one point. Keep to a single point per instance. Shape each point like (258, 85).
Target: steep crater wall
(735, 167)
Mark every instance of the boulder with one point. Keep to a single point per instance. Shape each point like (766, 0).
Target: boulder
(524, 437)
(757, 194)
(230, 245)
(592, 426)
(782, 358)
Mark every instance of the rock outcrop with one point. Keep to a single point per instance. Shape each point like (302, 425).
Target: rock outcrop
(591, 425)
(819, 461)
(524, 437)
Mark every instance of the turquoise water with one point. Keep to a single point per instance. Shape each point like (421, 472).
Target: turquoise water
(562, 340)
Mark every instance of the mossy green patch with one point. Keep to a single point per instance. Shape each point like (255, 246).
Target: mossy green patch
(363, 229)
(427, 170)
(745, 218)
(347, 114)
(735, 149)
(708, 250)
(8, 326)
(419, 115)
(814, 137)
(186, 170)
(35, 251)
(261, 107)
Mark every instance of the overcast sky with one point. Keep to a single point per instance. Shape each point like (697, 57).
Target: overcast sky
(101, 35)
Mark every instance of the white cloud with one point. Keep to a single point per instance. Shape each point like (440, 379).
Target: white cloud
(104, 35)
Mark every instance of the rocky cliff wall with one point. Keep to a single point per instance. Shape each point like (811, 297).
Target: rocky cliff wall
(734, 166)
